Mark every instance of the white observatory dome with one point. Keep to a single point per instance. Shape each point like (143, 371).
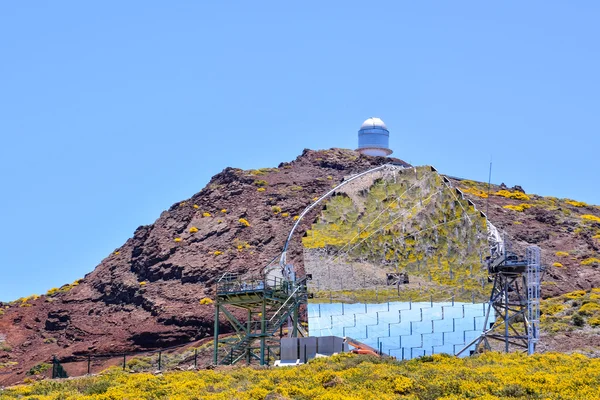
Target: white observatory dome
(373, 138)
(373, 122)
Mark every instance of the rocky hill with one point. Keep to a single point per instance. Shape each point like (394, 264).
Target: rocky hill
(147, 293)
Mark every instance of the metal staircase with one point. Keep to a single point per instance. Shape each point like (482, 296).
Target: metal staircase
(269, 303)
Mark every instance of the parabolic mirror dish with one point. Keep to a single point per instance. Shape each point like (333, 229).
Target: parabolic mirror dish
(396, 258)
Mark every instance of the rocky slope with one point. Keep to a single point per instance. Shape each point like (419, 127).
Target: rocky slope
(147, 293)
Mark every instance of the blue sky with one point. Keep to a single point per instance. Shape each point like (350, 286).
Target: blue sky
(112, 111)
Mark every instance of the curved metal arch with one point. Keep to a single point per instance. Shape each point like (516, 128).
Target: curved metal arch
(282, 260)
(495, 239)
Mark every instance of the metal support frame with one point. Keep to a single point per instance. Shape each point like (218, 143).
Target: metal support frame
(515, 301)
(534, 268)
(268, 303)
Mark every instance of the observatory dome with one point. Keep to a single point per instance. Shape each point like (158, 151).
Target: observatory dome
(373, 138)
(373, 122)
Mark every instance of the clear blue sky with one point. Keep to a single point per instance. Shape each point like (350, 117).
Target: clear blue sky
(111, 111)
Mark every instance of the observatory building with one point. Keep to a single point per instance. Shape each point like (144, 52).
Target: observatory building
(373, 138)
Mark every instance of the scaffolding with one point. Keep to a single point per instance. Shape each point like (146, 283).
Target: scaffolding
(515, 301)
(268, 304)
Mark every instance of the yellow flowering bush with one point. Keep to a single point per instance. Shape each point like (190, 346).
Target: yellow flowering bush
(347, 376)
(143, 283)
(519, 208)
(260, 182)
(561, 254)
(206, 214)
(589, 309)
(590, 217)
(206, 300)
(244, 222)
(260, 189)
(475, 192)
(62, 289)
(296, 217)
(196, 206)
(218, 253)
(276, 209)
(590, 261)
(193, 229)
(512, 195)
(177, 239)
(224, 211)
(285, 214)
(576, 203)
(575, 295)
(557, 264)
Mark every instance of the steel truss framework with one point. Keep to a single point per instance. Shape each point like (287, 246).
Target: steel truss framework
(515, 300)
(268, 303)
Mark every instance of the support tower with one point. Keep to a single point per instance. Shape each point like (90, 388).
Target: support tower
(257, 309)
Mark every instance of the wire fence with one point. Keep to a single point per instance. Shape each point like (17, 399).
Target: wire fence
(188, 356)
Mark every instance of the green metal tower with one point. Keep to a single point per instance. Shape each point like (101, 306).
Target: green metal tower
(268, 303)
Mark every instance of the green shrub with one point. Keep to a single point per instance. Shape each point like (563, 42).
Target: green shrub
(38, 369)
(578, 320)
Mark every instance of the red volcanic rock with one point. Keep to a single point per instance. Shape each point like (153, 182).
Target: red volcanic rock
(146, 294)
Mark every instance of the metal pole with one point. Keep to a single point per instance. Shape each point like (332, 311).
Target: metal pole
(159, 360)
(124, 360)
(216, 336)
(196, 358)
(263, 330)
(89, 365)
(506, 314)
(248, 334)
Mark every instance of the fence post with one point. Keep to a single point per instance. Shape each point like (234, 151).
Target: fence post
(159, 359)
(89, 365)
(124, 360)
(306, 355)
(53, 367)
(195, 358)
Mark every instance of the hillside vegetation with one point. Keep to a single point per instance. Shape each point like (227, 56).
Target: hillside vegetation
(409, 221)
(346, 376)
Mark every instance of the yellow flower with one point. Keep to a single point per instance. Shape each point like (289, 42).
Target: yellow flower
(590, 217)
(193, 229)
(244, 222)
(177, 239)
